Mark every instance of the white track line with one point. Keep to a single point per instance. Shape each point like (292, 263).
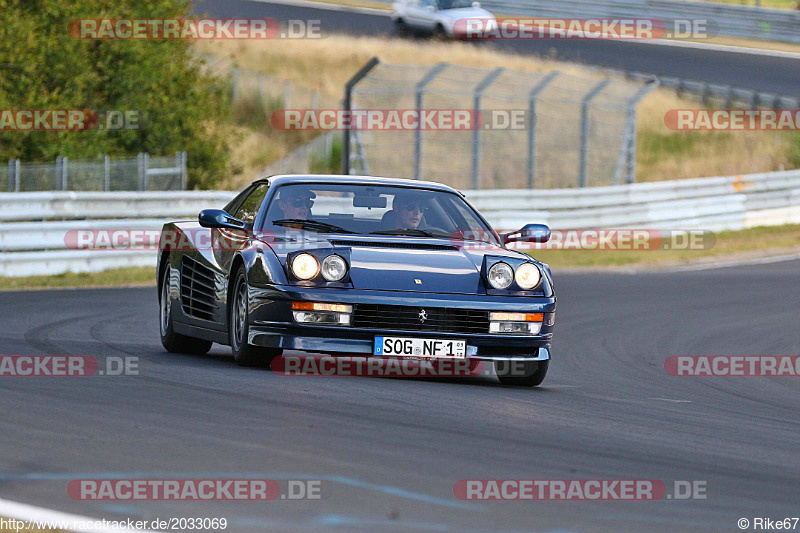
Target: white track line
(655, 42)
(29, 513)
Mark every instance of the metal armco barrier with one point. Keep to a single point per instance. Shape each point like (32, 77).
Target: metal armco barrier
(33, 225)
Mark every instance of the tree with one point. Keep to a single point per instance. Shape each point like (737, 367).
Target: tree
(43, 67)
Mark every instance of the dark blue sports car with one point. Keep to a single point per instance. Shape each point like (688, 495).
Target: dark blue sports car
(356, 266)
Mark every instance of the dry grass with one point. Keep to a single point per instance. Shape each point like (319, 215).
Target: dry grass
(326, 65)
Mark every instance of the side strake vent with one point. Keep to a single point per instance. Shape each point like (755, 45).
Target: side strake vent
(197, 289)
(407, 246)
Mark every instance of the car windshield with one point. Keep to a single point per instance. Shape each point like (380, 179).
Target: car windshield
(454, 4)
(377, 210)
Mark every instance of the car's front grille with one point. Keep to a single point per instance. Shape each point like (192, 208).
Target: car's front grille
(197, 289)
(436, 319)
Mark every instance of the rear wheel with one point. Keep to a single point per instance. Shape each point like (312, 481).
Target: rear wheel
(401, 28)
(521, 373)
(244, 353)
(440, 34)
(175, 342)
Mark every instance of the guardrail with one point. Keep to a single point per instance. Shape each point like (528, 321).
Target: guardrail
(33, 226)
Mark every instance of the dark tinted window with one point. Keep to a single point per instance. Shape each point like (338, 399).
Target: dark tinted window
(249, 208)
(236, 202)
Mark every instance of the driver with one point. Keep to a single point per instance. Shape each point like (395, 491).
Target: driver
(408, 210)
(296, 202)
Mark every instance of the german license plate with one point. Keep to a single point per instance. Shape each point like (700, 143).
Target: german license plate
(413, 347)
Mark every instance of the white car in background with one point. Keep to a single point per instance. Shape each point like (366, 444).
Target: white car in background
(435, 16)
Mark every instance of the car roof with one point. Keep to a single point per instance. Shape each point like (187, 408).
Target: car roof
(288, 179)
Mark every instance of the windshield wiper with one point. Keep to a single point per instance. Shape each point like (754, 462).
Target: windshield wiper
(313, 225)
(409, 233)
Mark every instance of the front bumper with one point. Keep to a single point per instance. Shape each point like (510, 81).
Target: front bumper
(271, 323)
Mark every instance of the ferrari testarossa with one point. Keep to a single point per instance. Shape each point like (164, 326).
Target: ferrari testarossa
(356, 266)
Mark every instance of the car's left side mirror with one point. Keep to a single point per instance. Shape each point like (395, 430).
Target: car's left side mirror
(217, 218)
(529, 233)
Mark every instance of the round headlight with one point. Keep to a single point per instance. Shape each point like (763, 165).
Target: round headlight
(500, 276)
(334, 268)
(527, 276)
(305, 266)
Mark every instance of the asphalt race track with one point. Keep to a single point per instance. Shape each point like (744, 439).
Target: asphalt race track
(754, 71)
(388, 451)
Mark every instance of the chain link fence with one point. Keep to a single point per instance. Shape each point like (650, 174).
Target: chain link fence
(576, 131)
(140, 173)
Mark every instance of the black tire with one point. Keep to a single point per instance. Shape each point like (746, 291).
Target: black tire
(245, 354)
(401, 28)
(521, 374)
(175, 342)
(440, 34)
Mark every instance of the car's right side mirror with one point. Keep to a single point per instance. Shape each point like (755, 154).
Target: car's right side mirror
(528, 233)
(476, 5)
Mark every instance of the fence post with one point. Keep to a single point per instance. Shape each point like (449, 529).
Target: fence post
(10, 175)
(476, 132)
(106, 173)
(17, 178)
(146, 160)
(585, 128)
(419, 91)
(235, 84)
(542, 85)
(627, 152)
(139, 171)
(59, 185)
(184, 180)
(348, 102)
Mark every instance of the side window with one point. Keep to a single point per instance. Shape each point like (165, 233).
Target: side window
(236, 202)
(249, 209)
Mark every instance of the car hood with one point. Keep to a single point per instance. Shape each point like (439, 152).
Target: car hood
(408, 264)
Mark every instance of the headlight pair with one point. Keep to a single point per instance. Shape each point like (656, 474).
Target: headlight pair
(501, 275)
(305, 267)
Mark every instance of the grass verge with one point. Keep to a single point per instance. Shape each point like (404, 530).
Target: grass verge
(121, 277)
(744, 244)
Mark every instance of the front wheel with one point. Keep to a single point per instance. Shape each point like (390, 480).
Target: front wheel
(175, 342)
(244, 353)
(401, 28)
(521, 373)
